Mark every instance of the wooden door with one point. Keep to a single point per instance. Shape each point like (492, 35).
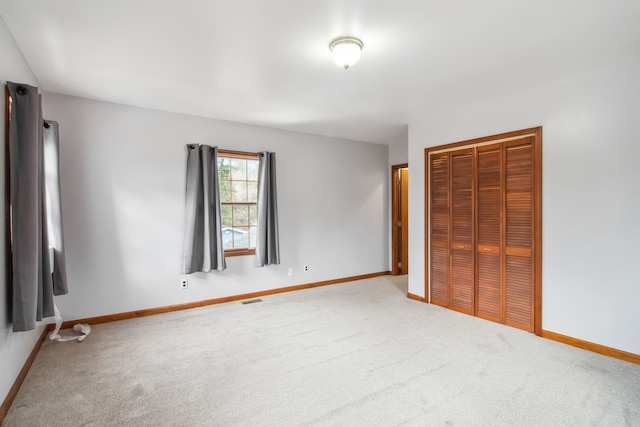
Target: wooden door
(452, 217)
(439, 228)
(404, 221)
(519, 224)
(484, 218)
(399, 219)
(462, 218)
(489, 232)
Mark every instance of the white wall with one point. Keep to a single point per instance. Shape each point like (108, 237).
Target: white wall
(398, 150)
(14, 347)
(590, 202)
(122, 177)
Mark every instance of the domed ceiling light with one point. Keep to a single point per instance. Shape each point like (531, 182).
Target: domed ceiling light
(346, 51)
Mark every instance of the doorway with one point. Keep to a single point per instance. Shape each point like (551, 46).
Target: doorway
(400, 219)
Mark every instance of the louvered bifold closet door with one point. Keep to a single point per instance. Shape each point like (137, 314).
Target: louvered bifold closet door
(439, 226)
(462, 259)
(485, 233)
(488, 229)
(519, 199)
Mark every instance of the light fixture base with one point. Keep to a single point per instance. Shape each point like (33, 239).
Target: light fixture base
(337, 40)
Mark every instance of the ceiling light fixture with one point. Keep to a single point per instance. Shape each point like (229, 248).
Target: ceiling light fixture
(346, 51)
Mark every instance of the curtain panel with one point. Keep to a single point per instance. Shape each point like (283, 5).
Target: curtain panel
(202, 248)
(51, 143)
(267, 243)
(33, 287)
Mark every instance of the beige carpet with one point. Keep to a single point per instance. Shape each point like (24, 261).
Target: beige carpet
(355, 354)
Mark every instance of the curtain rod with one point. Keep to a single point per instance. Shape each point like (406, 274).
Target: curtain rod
(241, 153)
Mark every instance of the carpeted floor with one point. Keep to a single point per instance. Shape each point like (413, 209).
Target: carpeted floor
(354, 354)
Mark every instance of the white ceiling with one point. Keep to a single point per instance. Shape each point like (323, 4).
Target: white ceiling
(268, 63)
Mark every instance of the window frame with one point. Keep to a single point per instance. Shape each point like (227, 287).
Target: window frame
(230, 154)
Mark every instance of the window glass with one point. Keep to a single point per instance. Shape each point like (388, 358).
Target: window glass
(252, 191)
(224, 168)
(239, 169)
(252, 171)
(238, 196)
(239, 191)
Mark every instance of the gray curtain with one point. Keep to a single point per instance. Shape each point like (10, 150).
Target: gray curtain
(202, 248)
(32, 286)
(51, 145)
(267, 244)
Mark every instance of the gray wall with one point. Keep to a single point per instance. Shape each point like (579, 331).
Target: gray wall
(590, 196)
(398, 150)
(14, 347)
(122, 172)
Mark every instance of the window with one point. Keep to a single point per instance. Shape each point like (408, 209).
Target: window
(238, 174)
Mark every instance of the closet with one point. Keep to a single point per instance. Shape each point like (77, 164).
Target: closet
(483, 250)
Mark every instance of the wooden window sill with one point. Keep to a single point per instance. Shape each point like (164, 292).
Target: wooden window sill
(239, 252)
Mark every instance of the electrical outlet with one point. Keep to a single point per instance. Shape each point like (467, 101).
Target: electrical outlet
(306, 268)
(290, 271)
(184, 283)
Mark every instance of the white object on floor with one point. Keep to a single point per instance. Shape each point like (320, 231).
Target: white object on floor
(79, 327)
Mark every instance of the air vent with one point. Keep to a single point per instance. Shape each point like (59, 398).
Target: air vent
(252, 301)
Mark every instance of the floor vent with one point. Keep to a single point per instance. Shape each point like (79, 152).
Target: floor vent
(252, 301)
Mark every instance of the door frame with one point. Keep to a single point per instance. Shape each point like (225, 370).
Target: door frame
(395, 213)
(536, 132)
